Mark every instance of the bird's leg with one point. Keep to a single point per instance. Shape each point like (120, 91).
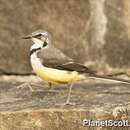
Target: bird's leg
(50, 85)
(29, 85)
(51, 88)
(69, 95)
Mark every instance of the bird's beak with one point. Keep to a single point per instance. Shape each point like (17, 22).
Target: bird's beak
(27, 37)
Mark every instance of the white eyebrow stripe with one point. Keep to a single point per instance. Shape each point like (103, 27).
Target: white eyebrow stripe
(44, 33)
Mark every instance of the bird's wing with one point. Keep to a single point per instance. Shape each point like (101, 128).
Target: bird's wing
(72, 66)
(53, 58)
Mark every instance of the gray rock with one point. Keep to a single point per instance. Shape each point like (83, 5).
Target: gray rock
(117, 47)
(91, 31)
(66, 21)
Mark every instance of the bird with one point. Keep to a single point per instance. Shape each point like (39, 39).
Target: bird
(54, 66)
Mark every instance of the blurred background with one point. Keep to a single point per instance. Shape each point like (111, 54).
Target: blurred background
(94, 32)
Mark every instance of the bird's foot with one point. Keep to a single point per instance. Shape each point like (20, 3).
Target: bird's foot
(24, 85)
(66, 104)
(31, 85)
(69, 103)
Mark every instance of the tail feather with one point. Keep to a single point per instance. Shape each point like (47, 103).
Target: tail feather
(108, 78)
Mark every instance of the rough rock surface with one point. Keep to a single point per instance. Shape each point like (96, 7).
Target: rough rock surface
(21, 109)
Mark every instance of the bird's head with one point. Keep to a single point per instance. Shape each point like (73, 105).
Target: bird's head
(40, 38)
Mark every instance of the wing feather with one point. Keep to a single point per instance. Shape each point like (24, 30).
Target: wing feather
(54, 58)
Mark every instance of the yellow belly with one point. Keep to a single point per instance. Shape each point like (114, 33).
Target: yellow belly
(55, 75)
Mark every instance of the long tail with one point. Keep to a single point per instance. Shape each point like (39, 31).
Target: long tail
(108, 78)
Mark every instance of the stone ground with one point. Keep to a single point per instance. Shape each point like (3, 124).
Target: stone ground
(43, 108)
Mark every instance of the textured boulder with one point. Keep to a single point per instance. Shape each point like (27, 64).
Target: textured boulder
(66, 21)
(91, 31)
(117, 47)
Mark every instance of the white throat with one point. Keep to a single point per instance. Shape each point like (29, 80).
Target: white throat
(35, 61)
(37, 43)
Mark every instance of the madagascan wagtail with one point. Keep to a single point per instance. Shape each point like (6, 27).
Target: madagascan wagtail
(53, 66)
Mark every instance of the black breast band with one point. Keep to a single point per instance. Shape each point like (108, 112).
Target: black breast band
(34, 50)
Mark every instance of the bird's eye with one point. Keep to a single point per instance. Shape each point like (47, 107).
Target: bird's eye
(45, 44)
(38, 36)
